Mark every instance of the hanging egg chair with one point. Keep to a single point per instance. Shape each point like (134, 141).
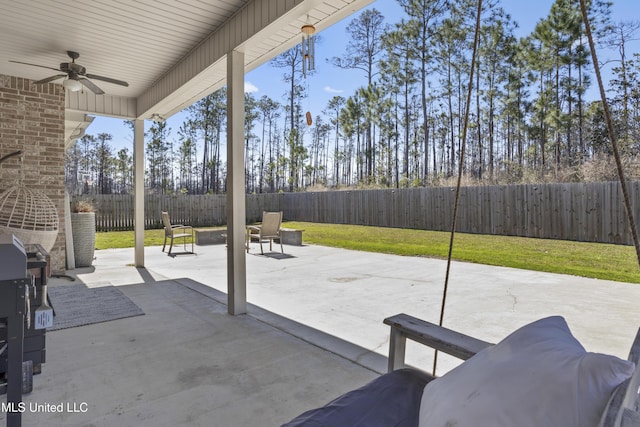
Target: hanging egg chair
(30, 215)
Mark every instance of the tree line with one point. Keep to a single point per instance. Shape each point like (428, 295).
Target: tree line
(529, 118)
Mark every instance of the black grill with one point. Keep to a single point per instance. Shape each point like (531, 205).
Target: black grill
(23, 319)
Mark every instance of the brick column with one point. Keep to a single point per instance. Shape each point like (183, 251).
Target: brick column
(32, 120)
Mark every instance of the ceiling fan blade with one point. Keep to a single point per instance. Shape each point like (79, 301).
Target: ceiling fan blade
(107, 79)
(50, 79)
(92, 87)
(36, 65)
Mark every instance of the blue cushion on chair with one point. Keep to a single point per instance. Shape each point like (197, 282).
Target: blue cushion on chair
(392, 400)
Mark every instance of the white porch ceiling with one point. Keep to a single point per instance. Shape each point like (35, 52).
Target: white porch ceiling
(171, 52)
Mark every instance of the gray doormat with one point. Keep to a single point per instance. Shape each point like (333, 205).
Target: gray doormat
(77, 305)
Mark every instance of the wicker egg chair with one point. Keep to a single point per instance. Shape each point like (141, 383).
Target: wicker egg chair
(30, 215)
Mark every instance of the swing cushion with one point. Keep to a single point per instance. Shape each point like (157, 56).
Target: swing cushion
(540, 375)
(392, 400)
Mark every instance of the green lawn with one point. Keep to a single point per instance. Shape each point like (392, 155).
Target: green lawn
(602, 261)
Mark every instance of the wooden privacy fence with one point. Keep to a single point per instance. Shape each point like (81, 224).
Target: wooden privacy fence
(592, 212)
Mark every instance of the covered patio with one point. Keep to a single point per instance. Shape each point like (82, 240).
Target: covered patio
(137, 61)
(313, 325)
(312, 332)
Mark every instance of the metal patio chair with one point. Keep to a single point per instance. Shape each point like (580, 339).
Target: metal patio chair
(176, 231)
(268, 230)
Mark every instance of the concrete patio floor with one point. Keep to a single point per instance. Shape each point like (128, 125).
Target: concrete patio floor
(347, 294)
(314, 330)
(186, 362)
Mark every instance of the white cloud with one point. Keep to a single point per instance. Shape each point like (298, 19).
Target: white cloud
(249, 87)
(329, 89)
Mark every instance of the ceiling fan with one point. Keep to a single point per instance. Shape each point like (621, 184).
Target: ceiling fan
(76, 75)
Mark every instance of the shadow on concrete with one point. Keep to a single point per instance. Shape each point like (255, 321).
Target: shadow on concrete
(188, 362)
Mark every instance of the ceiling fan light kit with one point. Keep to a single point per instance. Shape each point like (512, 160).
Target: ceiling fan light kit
(72, 85)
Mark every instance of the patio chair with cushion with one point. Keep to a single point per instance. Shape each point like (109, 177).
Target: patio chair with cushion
(268, 230)
(176, 231)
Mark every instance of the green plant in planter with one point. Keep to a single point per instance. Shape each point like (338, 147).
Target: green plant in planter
(82, 206)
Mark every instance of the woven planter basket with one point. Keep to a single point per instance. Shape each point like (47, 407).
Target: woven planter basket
(83, 227)
(30, 215)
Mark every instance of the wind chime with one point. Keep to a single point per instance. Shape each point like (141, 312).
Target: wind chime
(308, 51)
(308, 48)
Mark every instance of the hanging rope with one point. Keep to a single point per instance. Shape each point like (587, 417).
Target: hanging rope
(611, 131)
(454, 220)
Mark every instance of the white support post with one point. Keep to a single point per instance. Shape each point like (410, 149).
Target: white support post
(138, 190)
(68, 233)
(236, 215)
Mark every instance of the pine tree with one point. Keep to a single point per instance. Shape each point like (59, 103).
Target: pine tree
(362, 53)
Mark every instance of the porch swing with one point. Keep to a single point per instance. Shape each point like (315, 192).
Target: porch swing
(539, 375)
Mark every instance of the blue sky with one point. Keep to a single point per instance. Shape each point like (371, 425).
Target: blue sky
(329, 81)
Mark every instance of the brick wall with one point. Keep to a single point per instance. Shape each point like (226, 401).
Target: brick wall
(32, 120)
